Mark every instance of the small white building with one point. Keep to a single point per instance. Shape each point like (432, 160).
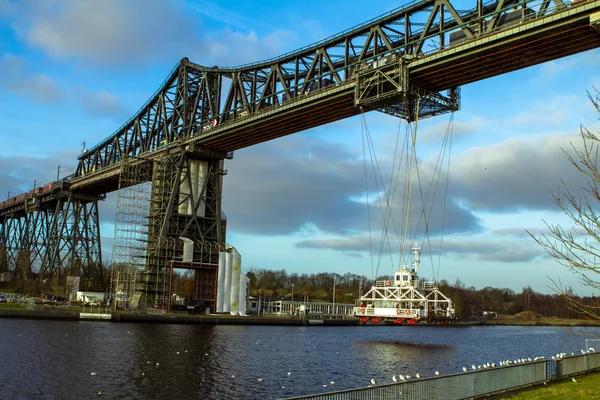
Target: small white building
(93, 298)
(6, 277)
(177, 299)
(252, 305)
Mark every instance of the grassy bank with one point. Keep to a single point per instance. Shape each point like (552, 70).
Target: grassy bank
(586, 387)
(529, 318)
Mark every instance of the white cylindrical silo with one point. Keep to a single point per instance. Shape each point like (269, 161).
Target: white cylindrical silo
(227, 283)
(243, 286)
(235, 282)
(184, 192)
(194, 185)
(188, 250)
(221, 281)
(202, 174)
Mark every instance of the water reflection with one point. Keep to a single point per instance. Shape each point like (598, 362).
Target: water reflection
(55, 359)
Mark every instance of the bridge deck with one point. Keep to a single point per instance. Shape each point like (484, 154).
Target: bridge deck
(525, 44)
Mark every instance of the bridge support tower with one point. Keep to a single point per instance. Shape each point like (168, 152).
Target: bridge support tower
(168, 217)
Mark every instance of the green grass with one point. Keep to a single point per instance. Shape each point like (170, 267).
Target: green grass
(586, 387)
(11, 306)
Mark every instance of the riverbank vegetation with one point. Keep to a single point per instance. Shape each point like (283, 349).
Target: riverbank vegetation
(518, 307)
(524, 307)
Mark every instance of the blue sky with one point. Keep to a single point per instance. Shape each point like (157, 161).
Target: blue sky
(75, 70)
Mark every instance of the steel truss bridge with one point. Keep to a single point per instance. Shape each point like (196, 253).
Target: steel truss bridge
(409, 62)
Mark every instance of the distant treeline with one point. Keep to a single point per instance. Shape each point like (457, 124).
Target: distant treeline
(468, 300)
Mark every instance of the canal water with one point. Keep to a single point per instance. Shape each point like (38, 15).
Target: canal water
(85, 360)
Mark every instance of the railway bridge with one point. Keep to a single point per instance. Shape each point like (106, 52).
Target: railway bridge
(167, 161)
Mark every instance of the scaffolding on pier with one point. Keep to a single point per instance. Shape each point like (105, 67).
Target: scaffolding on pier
(129, 256)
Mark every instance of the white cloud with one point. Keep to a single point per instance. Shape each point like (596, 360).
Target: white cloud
(299, 181)
(515, 174)
(354, 243)
(547, 113)
(562, 66)
(40, 87)
(435, 131)
(108, 32)
(16, 79)
(498, 250)
(232, 48)
(99, 104)
(19, 172)
(213, 11)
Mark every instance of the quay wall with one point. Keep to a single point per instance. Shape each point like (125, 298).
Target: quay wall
(173, 319)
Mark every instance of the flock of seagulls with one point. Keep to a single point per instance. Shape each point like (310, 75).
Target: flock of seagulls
(505, 363)
(261, 380)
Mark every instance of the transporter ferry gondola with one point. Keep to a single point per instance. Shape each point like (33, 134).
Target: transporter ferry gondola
(405, 299)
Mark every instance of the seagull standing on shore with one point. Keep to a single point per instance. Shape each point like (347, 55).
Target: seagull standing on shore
(395, 379)
(373, 382)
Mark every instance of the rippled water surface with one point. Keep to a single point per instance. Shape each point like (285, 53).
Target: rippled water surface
(76, 360)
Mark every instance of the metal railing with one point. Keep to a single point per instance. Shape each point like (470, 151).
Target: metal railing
(577, 364)
(473, 383)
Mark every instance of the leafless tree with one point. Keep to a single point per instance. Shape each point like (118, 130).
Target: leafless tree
(577, 248)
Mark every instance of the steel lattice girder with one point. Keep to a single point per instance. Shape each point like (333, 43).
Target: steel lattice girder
(50, 239)
(13, 231)
(188, 104)
(193, 213)
(73, 240)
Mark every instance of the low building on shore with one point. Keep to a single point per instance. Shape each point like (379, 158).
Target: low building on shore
(288, 308)
(92, 298)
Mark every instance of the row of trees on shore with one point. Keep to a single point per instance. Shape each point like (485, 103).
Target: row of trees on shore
(469, 301)
(277, 285)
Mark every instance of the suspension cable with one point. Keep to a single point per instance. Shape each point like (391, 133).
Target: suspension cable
(377, 177)
(366, 189)
(410, 172)
(385, 196)
(449, 132)
(446, 143)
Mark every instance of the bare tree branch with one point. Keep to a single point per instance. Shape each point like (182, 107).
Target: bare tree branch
(577, 248)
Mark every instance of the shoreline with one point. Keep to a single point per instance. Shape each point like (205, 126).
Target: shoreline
(214, 319)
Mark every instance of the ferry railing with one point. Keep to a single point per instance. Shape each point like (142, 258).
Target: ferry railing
(387, 283)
